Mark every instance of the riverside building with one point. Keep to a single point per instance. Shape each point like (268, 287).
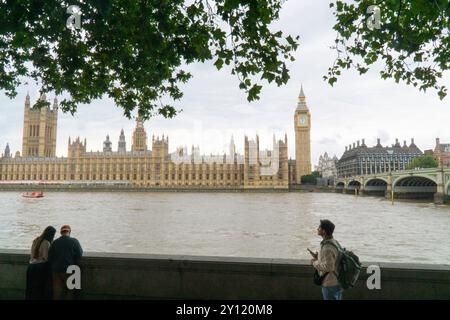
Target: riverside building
(153, 165)
(361, 160)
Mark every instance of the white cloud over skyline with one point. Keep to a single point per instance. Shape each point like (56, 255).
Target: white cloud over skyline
(214, 108)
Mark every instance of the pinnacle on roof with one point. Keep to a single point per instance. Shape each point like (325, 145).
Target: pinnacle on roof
(43, 97)
(302, 94)
(301, 105)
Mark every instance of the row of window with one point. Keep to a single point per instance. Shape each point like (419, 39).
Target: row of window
(34, 131)
(363, 164)
(121, 168)
(41, 176)
(34, 152)
(386, 160)
(135, 171)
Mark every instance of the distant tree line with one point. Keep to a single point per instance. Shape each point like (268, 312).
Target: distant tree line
(425, 161)
(311, 178)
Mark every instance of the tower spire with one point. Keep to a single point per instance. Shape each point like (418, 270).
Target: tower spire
(302, 94)
(139, 136)
(107, 144)
(7, 153)
(122, 145)
(55, 104)
(301, 105)
(27, 100)
(43, 97)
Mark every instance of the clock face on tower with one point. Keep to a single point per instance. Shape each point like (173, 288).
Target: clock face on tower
(302, 120)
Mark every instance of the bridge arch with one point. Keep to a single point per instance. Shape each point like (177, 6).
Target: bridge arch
(415, 181)
(376, 186)
(420, 176)
(340, 185)
(353, 186)
(376, 182)
(416, 187)
(354, 182)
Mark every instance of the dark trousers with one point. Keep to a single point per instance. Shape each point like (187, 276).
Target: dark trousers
(38, 282)
(60, 290)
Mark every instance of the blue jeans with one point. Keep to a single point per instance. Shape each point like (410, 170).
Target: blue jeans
(332, 293)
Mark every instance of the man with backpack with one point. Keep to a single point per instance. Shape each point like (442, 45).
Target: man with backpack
(326, 262)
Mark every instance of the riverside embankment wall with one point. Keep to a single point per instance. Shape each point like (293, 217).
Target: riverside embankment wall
(143, 276)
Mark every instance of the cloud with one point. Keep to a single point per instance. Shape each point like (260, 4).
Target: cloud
(327, 141)
(384, 136)
(214, 108)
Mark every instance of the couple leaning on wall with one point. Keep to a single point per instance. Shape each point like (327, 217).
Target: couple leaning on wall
(46, 273)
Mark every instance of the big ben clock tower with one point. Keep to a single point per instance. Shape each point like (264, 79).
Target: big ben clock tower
(302, 125)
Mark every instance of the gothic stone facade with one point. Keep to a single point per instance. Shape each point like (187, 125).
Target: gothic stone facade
(302, 127)
(39, 130)
(156, 167)
(327, 169)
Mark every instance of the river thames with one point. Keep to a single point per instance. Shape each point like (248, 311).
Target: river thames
(270, 225)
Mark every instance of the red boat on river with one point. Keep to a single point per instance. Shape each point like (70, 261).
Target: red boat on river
(34, 194)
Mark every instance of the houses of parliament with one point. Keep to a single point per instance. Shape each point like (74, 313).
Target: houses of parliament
(155, 167)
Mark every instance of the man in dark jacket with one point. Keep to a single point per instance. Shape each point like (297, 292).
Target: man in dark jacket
(64, 252)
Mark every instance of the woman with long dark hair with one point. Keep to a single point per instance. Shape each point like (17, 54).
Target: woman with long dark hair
(38, 272)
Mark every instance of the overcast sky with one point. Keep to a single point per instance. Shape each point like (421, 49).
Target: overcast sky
(214, 108)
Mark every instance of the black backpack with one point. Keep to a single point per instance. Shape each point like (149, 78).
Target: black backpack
(348, 265)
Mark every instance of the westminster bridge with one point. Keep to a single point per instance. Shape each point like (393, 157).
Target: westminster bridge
(429, 183)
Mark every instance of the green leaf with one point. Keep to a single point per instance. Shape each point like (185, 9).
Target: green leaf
(135, 51)
(332, 80)
(411, 44)
(219, 64)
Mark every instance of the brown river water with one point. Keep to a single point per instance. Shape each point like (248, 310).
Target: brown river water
(270, 225)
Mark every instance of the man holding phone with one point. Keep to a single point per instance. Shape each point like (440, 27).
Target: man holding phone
(325, 262)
